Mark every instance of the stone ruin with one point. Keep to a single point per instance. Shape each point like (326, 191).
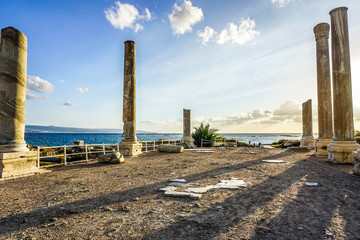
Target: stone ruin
(187, 139)
(15, 157)
(307, 139)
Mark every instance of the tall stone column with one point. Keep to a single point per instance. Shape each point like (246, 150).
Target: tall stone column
(307, 139)
(129, 146)
(15, 158)
(321, 32)
(341, 148)
(187, 138)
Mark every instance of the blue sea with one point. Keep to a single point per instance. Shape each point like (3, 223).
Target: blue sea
(59, 139)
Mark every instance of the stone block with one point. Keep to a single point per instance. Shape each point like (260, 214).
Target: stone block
(18, 164)
(307, 141)
(131, 149)
(356, 156)
(114, 158)
(170, 148)
(321, 147)
(341, 152)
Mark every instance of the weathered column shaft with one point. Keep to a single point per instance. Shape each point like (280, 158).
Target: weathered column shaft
(341, 74)
(323, 81)
(307, 139)
(129, 103)
(307, 118)
(341, 148)
(13, 59)
(187, 122)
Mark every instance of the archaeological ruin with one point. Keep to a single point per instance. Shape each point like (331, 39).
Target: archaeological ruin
(307, 139)
(187, 138)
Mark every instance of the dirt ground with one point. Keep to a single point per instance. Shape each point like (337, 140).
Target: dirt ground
(96, 201)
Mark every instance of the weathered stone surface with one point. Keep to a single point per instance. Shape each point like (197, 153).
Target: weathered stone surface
(187, 138)
(341, 148)
(325, 124)
(129, 146)
(356, 156)
(13, 60)
(18, 163)
(307, 139)
(170, 148)
(298, 149)
(114, 158)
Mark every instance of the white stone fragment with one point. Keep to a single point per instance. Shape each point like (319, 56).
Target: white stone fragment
(200, 190)
(167, 188)
(231, 184)
(273, 161)
(182, 194)
(181, 180)
(312, 184)
(176, 184)
(203, 151)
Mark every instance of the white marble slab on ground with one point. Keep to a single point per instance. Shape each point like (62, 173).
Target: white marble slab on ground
(182, 194)
(311, 184)
(273, 161)
(167, 188)
(180, 180)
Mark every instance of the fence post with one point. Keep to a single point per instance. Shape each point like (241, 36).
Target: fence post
(154, 146)
(146, 147)
(86, 153)
(201, 143)
(38, 160)
(104, 148)
(118, 148)
(65, 155)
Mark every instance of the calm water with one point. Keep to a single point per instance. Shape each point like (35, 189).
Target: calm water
(59, 139)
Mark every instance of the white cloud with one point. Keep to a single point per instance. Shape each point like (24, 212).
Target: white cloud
(126, 16)
(82, 90)
(62, 81)
(280, 3)
(184, 17)
(35, 83)
(232, 33)
(32, 96)
(70, 104)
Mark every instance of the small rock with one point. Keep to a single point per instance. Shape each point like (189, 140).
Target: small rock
(311, 184)
(167, 188)
(136, 199)
(300, 228)
(178, 180)
(113, 158)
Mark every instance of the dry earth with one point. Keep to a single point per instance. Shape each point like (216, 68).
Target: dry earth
(95, 201)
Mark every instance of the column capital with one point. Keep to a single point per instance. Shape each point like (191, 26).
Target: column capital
(321, 31)
(338, 9)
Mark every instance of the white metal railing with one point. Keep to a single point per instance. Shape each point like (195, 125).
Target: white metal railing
(219, 142)
(62, 155)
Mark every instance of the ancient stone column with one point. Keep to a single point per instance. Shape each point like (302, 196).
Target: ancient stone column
(187, 138)
(307, 139)
(341, 148)
(321, 32)
(129, 146)
(13, 57)
(15, 157)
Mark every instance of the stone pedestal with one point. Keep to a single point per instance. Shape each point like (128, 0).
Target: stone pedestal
(356, 156)
(307, 139)
(325, 131)
(340, 152)
(129, 146)
(187, 138)
(17, 164)
(341, 148)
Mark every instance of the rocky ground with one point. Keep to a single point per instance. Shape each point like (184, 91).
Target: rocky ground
(96, 201)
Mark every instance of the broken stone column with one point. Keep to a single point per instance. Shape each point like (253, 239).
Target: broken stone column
(129, 146)
(15, 158)
(321, 32)
(341, 148)
(307, 139)
(187, 138)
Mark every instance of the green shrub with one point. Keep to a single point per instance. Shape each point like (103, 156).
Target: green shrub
(204, 132)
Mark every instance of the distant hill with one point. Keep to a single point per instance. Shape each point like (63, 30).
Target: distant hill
(55, 129)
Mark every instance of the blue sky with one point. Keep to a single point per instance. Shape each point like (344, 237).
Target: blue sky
(241, 65)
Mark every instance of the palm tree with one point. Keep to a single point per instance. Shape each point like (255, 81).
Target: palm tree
(204, 132)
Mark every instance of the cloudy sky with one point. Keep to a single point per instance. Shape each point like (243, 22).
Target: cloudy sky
(241, 65)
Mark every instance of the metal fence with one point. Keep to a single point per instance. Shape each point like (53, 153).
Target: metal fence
(63, 155)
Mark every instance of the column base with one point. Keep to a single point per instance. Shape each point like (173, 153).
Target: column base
(341, 152)
(307, 141)
(356, 156)
(14, 146)
(16, 164)
(131, 149)
(188, 142)
(321, 147)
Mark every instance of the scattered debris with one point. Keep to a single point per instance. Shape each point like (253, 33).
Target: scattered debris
(182, 194)
(176, 184)
(167, 188)
(312, 184)
(273, 161)
(180, 180)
